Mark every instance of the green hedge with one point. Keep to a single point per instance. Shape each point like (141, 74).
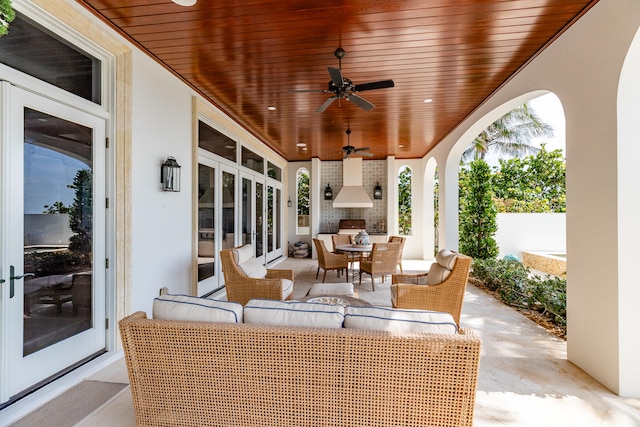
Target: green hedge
(519, 288)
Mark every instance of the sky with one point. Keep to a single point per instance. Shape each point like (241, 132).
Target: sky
(549, 109)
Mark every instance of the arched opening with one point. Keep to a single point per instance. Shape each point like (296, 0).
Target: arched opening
(302, 201)
(404, 200)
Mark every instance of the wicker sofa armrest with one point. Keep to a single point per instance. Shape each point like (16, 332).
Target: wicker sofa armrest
(279, 274)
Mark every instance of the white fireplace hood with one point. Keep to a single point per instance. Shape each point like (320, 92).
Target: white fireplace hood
(352, 194)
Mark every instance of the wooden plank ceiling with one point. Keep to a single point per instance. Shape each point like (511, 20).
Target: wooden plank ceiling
(248, 55)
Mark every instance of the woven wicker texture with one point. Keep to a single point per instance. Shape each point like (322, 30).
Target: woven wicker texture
(383, 260)
(241, 288)
(401, 240)
(340, 239)
(197, 374)
(328, 260)
(411, 291)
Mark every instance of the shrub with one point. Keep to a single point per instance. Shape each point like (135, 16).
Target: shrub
(517, 287)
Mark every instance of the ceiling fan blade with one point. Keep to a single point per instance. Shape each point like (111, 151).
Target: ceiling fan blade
(307, 90)
(326, 104)
(361, 102)
(362, 149)
(336, 76)
(366, 153)
(382, 84)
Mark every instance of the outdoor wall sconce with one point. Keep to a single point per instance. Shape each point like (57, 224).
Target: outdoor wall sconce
(377, 192)
(289, 202)
(328, 193)
(170, 175)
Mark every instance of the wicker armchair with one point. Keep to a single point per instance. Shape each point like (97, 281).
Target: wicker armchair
(246, 279)
(441, 289)
(401, 240)
(328, 260)
(383, 260)
(340, 239)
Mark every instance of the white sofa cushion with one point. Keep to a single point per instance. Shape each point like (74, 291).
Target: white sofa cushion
(437, 274)
(185, 307)
(243, 256)
(399, 320)
(291, 313)
(287, 288)
(252, 268)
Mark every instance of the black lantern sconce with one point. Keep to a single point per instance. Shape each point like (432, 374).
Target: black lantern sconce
(377, 192)
(289, 202)
(328, 193)
(170, 175)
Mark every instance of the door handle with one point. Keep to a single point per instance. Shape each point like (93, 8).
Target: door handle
(13, 278)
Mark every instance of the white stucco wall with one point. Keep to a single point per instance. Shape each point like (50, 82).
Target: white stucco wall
(518, 232)
(161, 221)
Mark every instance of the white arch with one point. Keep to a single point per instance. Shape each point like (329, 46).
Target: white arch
(449, 174)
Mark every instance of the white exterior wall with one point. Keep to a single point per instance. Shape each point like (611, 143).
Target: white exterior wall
(161, 221)
(518, 232)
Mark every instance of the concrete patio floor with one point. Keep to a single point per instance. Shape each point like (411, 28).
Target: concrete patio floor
(525, 379)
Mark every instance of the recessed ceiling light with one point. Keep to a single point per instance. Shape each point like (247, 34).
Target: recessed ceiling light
(401, 146)
(229, 147)
(301, 144)
(185, 2)
(271, 108)
(428, 100)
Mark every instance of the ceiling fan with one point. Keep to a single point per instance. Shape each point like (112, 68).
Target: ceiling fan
(350, 149)
(343, 88)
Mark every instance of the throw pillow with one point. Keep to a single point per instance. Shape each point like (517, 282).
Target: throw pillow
(185, 307)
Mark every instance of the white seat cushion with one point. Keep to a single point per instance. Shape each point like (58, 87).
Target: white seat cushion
(186, 307)
(242, 254)
(399, 320)
(284, 313)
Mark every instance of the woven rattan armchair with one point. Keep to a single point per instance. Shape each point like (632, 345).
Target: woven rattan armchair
(401, 240)
(383, 260)
(328, 260)
(340, 239)
(276, 284)
(421, 292)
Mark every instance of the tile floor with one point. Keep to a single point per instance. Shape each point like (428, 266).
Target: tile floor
(525, 379)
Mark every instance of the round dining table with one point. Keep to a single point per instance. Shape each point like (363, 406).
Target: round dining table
(353, 251)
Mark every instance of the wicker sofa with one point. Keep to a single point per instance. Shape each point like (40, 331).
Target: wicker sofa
(195, 373)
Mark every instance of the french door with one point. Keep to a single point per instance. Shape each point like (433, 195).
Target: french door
(52, 228)
(253, 215)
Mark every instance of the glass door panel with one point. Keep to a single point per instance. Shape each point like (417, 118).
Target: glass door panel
(206, 229)
(260, 220)
(228, 210)
(247, 211)
(53, 238)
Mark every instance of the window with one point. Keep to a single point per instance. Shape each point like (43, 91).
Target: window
(252, 161)
(216, 142)
(302, 201)
(274, 171)
(34, 50)
(404, 201)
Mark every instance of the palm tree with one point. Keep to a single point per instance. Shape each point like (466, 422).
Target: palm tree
(510, 135)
